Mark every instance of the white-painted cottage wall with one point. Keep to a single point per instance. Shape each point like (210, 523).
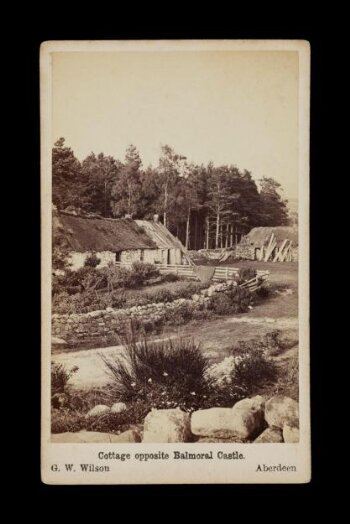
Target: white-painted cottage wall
(130, 255)
(148, 256)
(77, 259)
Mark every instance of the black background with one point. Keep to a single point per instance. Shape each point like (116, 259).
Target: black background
(229, 25)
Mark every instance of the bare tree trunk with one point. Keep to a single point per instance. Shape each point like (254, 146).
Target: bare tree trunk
(165, 204)
(207, 231)
(217, 229)
(129, 199)
(195, 231)
(227, 234)
(105, 198)
(188, 229)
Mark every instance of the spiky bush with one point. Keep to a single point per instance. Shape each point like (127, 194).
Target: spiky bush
(157, 368)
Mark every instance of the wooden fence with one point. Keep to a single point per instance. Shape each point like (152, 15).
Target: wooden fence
(220, 273)
(181, 271)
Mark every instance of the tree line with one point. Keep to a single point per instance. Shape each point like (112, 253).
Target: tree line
(206, 206)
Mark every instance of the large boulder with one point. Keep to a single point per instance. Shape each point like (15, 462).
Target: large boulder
(248, 416)
(270, 435)
(118, 407)
(213, 422)
(281, 410)
(167, 425)
(95, 436)
(290, 434)
(98, 410)
(244, 420)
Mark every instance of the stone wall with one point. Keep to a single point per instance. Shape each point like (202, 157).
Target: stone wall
(78, 328)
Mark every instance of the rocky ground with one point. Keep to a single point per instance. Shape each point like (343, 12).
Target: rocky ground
(249, 420)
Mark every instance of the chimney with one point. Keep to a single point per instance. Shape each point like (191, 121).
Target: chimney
(156, 218)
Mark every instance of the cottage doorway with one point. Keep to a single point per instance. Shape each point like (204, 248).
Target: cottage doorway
(117, 256)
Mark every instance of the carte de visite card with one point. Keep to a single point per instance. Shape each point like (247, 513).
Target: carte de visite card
(175, 255)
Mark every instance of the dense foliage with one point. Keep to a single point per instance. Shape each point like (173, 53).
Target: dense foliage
(205, 206)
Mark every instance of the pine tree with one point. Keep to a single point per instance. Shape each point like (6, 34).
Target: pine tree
(127, 189)
(66, 176)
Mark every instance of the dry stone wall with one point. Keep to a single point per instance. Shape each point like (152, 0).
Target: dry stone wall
(78, 328)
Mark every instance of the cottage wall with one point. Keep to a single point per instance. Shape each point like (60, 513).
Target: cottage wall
(77, 259)
(175, 256)
(148, 256)
(130, 255)
(153, 256)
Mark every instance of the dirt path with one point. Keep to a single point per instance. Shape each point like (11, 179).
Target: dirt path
(214, 336)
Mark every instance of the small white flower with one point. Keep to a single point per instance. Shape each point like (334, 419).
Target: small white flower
(133, 384)
(163, 393)
(165, 374)
(193, 392)
(149, 380)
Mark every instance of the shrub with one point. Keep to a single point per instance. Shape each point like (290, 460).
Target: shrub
(170, 277)
(163, 295)
(220, 304)
(118, 299)
(138, 274)
(92, 260)
(263, 292)
(246, 273)
(157, 372)
(242, 373)
(180, 315)
(130, 278)
(272, 344)
(60, 377)
(117, 422)
(253, 370)
(66, 420)
(84, 279)
(234, 300)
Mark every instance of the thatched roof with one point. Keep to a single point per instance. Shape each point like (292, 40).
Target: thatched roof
(260, 235)
(84, 233)
(160, 235)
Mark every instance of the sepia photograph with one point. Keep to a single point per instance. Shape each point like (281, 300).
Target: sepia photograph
(175, 253)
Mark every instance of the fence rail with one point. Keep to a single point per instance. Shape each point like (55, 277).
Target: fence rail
(220, 273)
(182, 271)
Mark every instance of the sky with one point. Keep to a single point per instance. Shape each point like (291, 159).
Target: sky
(228, 107)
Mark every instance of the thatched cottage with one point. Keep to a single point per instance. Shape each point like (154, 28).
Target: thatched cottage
(116, 240)
(253, 245)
